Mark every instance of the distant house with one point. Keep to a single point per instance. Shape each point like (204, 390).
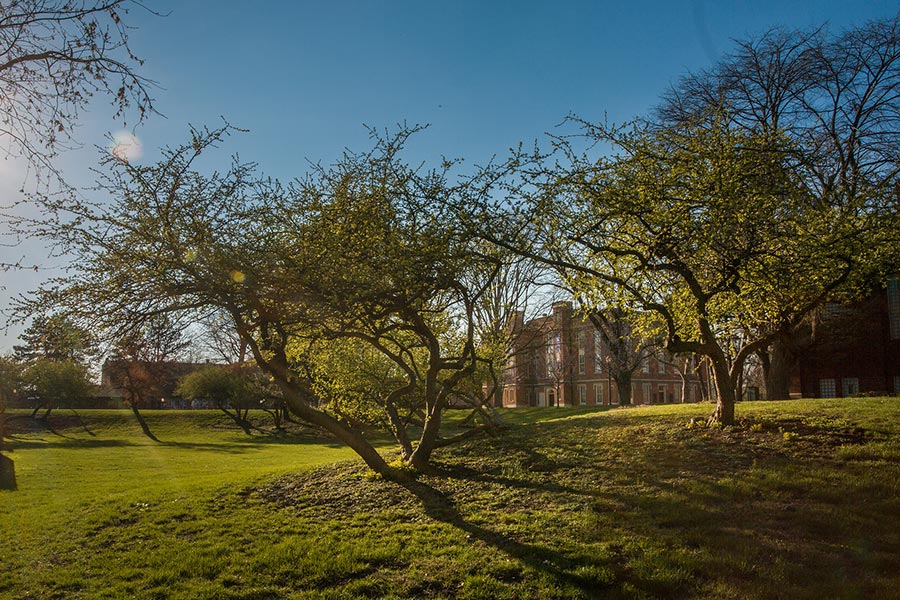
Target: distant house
(156, 381)
(855, 349)
(561, 360)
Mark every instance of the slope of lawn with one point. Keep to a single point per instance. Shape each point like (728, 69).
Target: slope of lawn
(801, 499)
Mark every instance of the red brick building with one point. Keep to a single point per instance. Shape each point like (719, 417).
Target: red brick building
(559, 360)
(855, 349)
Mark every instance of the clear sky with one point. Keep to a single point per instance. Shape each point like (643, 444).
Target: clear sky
(304, 77)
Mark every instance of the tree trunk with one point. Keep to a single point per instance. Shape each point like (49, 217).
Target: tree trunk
(422, 454)
(398, 428)
(7, 473)
(782, 360)
(140, 419)
(724, 413)
(295, 401)
(623, 385)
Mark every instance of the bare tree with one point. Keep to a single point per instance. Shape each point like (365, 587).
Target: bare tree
(55, 55)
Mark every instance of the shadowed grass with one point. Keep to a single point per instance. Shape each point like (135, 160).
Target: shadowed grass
(799, 500)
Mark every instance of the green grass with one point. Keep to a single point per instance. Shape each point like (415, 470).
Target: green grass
(800, 499)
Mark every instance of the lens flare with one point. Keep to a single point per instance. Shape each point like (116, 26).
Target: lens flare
(126, 146)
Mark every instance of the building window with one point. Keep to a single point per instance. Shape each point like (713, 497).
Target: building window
(645, 364)
(549, 357)
(662, 392)
(581, 352)
(582, 395)
(827, 388)
(598, 391)
(893, 298)
(598, 353)
(849, 386)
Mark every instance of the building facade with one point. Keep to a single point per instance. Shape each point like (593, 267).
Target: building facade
(562, 360)
(855, 349)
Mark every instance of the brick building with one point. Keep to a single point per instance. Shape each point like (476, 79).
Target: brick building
(559, 360)
(855, 349)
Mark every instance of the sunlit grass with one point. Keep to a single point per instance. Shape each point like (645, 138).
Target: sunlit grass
(568, 503)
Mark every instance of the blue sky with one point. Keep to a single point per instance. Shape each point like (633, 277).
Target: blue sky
(304, 77)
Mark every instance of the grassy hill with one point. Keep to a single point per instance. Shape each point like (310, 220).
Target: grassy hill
(800, 500)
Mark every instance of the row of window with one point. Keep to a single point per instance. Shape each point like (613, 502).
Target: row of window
(849, 387)
(663, 393)
(828, 387)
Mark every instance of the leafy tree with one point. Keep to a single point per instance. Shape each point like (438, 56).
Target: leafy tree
(231, 388)
(54, 337)
(365, 250)
(836, 100)
(55, 55)
(10, 389)
(53, 383)
(693, 227)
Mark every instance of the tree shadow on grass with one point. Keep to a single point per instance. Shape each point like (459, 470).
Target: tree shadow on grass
(67, 442)
(560, 567)
(243, 447)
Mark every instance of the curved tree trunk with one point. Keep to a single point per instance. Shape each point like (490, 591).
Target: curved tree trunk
(427, 442)
(298, 405)
(725, 390)
(140, 419)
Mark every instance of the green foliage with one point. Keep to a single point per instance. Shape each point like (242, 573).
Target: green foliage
(224, 385)
(58, 382)
(10, 380)
(353, 380)
(55, 337)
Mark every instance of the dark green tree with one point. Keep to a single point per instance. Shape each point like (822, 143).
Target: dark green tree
(233, 389)
(55, 383)
(55, 337)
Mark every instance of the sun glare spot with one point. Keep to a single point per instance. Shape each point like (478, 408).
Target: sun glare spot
(238, 277)
(126, 146)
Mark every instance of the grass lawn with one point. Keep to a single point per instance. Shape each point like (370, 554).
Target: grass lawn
(800, 500)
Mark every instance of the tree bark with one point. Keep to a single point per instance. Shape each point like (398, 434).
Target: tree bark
(427, 442)
(140, 419)
(725, 390)
(623, 385)
(7, 473)
(298, 405)
(781, 363)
